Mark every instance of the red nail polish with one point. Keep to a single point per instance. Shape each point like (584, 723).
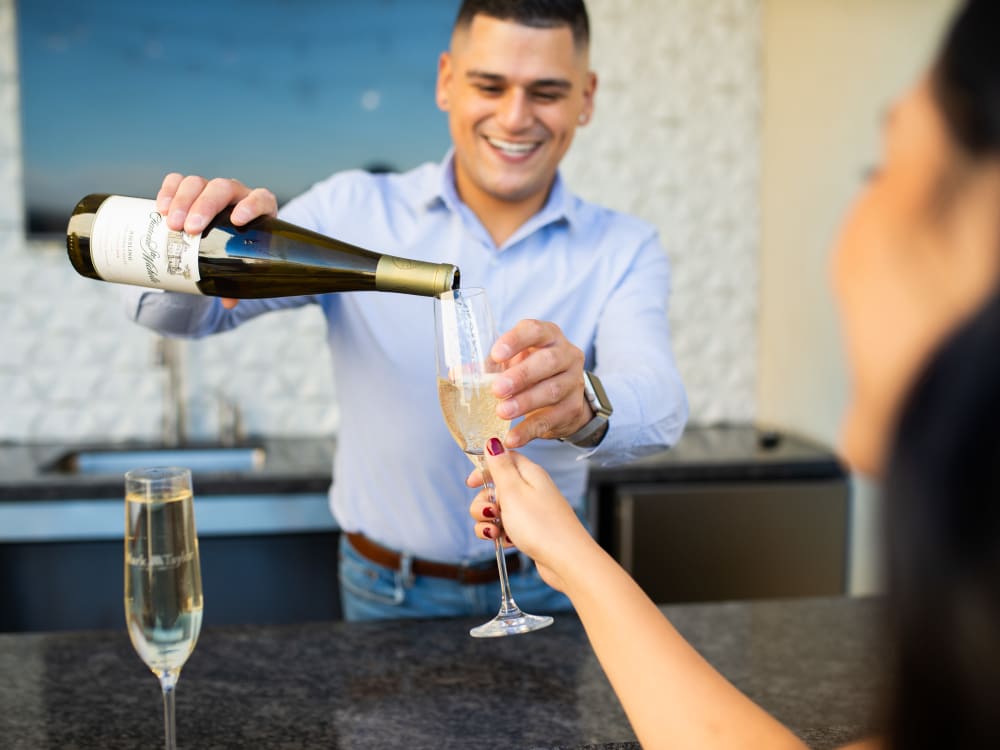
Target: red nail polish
(494, 446)
(488, 532)
(488, 512)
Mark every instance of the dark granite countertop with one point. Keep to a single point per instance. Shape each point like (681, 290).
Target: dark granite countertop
(812, 663)
(717, 453)
(291, 465)
(736, 452)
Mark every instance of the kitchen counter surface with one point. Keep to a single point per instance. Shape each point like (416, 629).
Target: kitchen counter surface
(36, 471)
(426, 684)
(718, 453)
(721, 453)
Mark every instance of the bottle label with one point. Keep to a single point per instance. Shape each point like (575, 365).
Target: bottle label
(131, 244)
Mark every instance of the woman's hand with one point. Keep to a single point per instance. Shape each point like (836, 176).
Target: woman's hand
(530, 512)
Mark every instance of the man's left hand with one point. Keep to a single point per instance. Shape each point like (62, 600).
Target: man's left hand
(543, 382)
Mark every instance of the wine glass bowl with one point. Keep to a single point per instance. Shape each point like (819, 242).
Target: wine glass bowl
(465, 334)
(163, 594)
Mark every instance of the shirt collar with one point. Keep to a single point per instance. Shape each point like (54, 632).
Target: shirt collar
(560, 205)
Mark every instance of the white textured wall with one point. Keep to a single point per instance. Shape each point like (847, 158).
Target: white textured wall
(10, 143)
(674, 141)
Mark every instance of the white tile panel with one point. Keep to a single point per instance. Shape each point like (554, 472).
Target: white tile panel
(8, 39)
(679, 146)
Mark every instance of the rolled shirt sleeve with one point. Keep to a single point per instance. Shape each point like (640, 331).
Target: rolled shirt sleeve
(634, 359)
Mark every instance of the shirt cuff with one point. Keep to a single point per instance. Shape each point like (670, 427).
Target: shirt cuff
(131, 297)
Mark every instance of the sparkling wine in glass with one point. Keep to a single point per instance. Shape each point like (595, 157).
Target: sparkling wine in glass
(163, 599)
(465, 334)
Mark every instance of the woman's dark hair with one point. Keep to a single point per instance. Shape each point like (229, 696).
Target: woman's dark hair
(942, 489)
(543, 14)
(943, 543)
(966, 77)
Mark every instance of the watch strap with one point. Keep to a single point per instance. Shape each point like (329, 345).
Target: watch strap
(590, 434)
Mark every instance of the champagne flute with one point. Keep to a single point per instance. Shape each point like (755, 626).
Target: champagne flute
(163, 599)
(465, 334)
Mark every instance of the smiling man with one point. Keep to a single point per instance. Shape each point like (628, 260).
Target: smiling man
(514, 95)
(580, 292)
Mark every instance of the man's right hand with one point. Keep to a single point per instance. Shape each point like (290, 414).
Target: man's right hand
(190, 202)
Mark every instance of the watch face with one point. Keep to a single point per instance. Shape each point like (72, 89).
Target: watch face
(596, 395)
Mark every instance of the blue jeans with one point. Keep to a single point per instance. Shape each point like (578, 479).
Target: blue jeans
(372, 592)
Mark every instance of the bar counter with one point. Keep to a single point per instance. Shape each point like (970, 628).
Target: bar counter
(813, 663)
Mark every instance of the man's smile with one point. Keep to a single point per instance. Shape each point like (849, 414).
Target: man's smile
(513, 149)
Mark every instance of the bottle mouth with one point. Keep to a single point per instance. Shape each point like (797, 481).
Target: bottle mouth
(462, 295)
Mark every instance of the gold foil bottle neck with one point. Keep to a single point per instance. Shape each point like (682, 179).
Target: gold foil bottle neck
(415, 277)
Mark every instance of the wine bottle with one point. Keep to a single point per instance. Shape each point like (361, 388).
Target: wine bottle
(125, 240)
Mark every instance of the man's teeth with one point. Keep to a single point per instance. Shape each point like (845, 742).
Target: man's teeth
(511, 148)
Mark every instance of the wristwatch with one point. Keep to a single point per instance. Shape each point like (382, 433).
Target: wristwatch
(593, 432)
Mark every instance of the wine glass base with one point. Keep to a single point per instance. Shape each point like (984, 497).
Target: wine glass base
(510, 623)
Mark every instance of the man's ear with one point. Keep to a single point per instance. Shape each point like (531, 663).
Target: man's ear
(444, 77)
(589, 91)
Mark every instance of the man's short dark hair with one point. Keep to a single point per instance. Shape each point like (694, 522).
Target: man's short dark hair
(541, 14)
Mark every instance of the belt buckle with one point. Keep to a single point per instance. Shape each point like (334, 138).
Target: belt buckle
(405, 570)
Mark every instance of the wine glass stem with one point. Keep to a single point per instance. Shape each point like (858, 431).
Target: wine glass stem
(168, 683)
(507, 604)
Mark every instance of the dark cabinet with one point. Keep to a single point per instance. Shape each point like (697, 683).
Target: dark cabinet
(261, 579)
(730, 513)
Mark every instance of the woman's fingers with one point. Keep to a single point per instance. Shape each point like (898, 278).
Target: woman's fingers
(485, 530)
(482, 509)
(489, 524)
(488, 530)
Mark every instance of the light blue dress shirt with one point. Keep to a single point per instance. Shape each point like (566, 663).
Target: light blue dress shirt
(399, 478)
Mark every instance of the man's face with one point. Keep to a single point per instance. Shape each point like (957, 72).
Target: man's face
(514, 97)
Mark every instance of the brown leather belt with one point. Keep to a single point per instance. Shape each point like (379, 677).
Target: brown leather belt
(481, 572)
